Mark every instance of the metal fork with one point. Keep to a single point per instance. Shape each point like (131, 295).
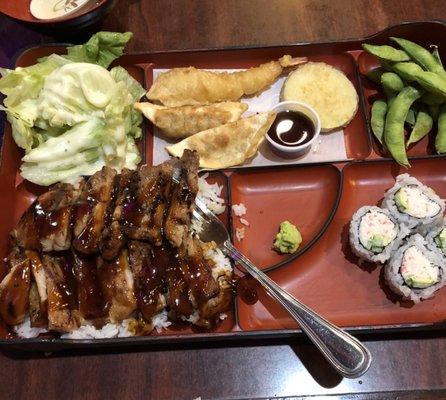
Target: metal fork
(344, 352)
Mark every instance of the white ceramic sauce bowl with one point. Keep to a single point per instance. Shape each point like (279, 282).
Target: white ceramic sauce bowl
(298, 150)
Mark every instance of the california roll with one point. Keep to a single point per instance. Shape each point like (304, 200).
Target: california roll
(375, 234)
(436, 239)
(414, 204)
(414, 271)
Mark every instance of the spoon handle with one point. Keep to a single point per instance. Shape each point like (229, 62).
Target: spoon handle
(344, 352)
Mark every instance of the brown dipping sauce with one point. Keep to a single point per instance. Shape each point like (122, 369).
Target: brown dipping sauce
(291, 128)
(246, 290)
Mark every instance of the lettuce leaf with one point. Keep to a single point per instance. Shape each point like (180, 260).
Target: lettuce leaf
(133, 118)
(83, 136)
(21, 84)
(71, 115)
(120, 74)
(102, 48)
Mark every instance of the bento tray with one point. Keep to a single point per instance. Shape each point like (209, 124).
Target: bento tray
(319, 198)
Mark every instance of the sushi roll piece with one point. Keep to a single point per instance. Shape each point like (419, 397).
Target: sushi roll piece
(436, 239)
(414, 204)
(414, 271)
(374, 234)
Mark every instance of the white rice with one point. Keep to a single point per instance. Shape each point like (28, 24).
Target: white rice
(210, 194)
(244, 221)
(430, 239)
(239, 233)
(161, 321)
(25, 330)
(91, 332)
(193, 318)
(239, 209)
(222, 263)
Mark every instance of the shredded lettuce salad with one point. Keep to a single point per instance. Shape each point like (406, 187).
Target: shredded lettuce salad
(72, 115)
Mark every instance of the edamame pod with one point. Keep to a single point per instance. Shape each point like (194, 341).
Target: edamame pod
(391, 81)
(375, 74)
(422, 127)
(387, 53)
(394, 125)
(377, 120)
(421, 56)
(440, 140)
(430, 81)
(407, 70)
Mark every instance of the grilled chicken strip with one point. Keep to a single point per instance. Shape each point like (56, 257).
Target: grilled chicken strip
(198, 274)
(149, 279)
(38, 298)
(144, 214)
(14, 289)
(118, 286)
(91, 211)
(63, 312)
(167, 259)
(93, 305)
(46, 224)
(113, 238)
(176, 226)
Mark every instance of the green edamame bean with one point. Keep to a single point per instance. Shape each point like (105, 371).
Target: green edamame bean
(421, 56)
(377, 119)
(432, 99)
(430, 81)
(375, 74)
(391, 81)
(387, 53)
(394, 125)
(422, 127)
(440, 140)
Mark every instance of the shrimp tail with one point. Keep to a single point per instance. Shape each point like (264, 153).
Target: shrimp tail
(288, 61)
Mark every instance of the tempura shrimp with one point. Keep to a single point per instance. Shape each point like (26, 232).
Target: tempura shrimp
(192, 86)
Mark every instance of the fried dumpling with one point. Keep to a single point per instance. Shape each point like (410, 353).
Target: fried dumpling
(181, 122)
(192, 86)
(227, 145)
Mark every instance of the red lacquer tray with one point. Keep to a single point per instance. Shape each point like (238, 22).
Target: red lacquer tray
(319, 198)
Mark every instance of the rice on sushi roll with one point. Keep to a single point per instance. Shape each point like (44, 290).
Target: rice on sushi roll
(414, 204)
(374, 234)
(436, 239)
(414, 271)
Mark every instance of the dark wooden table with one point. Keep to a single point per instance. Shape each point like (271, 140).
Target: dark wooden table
(405, 365)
